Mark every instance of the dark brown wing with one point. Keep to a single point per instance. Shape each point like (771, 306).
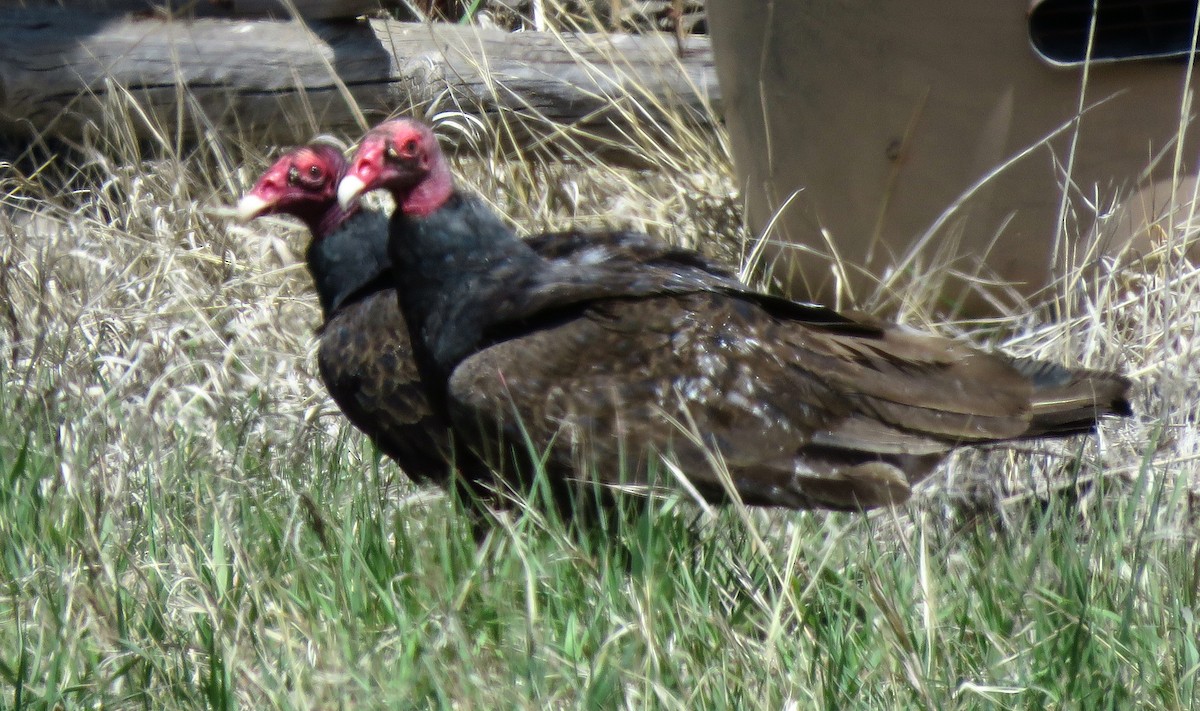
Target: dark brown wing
(803, 414)
(1068, 401)
(578, 247)
(366, 361)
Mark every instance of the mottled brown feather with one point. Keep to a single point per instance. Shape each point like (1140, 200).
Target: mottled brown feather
(365, 356)
(366, 362)
(802, 415)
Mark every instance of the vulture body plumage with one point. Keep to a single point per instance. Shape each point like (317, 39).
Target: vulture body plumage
(595, 369)
(365, 355)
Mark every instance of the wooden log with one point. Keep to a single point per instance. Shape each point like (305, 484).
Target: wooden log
(182, 9)
(283, 81)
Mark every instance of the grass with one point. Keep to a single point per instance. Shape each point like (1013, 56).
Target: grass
(186, 521)
(310, 582)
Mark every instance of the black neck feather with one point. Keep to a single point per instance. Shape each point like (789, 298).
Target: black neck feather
(456, 269)
(350, 261)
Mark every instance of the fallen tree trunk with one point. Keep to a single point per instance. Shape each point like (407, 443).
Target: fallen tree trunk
(65, 73)
(182, 9)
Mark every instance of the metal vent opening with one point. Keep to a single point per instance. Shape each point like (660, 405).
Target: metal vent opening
(1125, 29)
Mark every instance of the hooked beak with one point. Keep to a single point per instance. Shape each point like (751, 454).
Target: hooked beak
(349, 190)
(250, 207)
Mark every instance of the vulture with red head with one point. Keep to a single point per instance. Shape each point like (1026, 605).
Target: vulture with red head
(365, 355)
(599, 372)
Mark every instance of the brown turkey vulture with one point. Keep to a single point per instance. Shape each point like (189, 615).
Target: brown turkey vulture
(365, 356)
(599, 369)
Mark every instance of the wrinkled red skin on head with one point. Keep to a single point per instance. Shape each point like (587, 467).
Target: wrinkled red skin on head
(403, 157)
(369, 164)
(303, 184)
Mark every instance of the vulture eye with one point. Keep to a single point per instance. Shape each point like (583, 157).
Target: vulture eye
(314, 171)
(410, 146)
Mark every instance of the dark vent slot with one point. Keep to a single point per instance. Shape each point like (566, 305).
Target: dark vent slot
(1125, 29)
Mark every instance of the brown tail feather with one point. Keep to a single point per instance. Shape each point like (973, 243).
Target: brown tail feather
(1067, 402)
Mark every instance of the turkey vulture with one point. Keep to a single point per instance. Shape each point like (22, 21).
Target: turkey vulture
(365, 356)
(599, 370)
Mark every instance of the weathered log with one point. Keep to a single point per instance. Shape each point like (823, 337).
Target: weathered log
(283, 81)
(180, 9)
